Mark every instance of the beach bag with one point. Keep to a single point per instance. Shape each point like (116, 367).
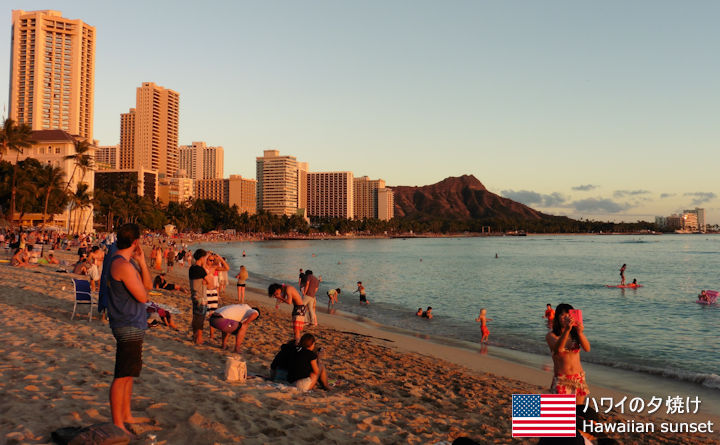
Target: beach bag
(99, 434)
(235, 370)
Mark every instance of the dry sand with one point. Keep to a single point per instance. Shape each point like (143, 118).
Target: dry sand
(390, 388)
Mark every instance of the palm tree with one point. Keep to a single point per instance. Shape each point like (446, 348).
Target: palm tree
(81, 158)
(81, 200)
(51, 178)
(14, 137)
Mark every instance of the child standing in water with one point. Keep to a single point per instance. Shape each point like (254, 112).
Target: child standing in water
(482, 318)
(363, 295)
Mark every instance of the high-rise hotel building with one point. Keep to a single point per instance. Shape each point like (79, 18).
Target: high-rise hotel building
(200, 161)
(52, 72)
(365, 193)
(330, 195)
(149, 132)
(279, 183)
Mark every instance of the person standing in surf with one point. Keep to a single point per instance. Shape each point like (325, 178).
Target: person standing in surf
(565, 341)
(622, 274)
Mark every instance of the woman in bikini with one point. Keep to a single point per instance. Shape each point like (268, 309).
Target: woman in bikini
(565, 341)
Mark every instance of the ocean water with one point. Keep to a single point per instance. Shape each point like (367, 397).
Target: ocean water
(657, 329)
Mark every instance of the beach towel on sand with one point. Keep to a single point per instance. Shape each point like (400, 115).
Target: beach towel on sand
(99, 434)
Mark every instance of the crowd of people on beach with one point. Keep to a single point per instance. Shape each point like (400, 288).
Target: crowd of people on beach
(116, 266)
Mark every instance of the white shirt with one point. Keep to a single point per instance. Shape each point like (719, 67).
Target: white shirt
(236, 312)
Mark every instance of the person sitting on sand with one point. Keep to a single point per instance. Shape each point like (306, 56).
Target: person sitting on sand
(482, 318)
(234, 319)
(281, 363)
(428, 313)
(160, 283)
(81, 267)
(565, 341)
(549, 313)
(288, 294)
(419, 312)
(305, 370)
(163, 315)
(51, 259)
(21, 258)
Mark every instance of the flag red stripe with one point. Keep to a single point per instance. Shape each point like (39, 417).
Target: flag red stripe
(535, 435)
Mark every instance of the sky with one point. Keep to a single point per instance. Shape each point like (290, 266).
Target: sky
(602, 110)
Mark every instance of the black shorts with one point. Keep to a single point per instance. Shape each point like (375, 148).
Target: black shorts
(363, 298)
(198, 321)
(128, 355)
(169, 286)
(240, 285)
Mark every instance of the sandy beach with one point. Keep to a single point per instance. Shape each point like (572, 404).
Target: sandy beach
(388, 387)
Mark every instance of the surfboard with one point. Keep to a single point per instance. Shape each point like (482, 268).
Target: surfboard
(623, 286)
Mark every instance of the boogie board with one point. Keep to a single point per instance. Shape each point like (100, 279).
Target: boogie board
(704, 302)
(623, 286)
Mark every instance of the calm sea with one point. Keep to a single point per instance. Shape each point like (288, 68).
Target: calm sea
(657, 329)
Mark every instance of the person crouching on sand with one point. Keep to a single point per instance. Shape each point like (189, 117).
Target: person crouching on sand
(565, 341)
(482, 318)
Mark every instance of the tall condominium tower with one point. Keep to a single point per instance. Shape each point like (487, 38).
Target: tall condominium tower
(365, 193)
(200, 161)
(386, 204)
(107, 157)
(153, 124)
(52, 72)
(330, 195)
(277, 183)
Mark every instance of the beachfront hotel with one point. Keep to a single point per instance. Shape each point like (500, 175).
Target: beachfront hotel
(52, 72)
(177, 189)
(279, 183)
(330, 195)
(149, 132)
(140, 181)
(386, 204)
(373, 199)
(52, 147)
(107, 157)
(235, 190)
(200, 161)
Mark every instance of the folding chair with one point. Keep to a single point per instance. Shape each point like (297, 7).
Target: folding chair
(82, 296)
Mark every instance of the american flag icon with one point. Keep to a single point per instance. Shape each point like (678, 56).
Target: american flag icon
(543, 415)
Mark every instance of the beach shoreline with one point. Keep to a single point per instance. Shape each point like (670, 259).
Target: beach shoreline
(409, 390)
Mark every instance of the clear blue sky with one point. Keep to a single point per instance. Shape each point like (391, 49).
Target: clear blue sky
(607, 110)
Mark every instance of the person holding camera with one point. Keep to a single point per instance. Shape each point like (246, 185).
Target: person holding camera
(565, 341)
(214, 265)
